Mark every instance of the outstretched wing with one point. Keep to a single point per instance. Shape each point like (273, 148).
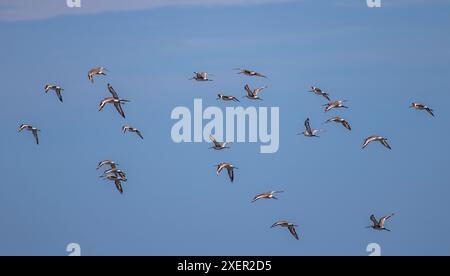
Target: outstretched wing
(384, 219)
(385, 143)
(308, 126)
(113, 92)
(367, 141)
(347, 125)
(213, 140)
(293, 232)
(231, 173)
(249, 91)
(118, 185)
(139, 134)
(119, 109)
(374, 220)
(35, 134)
(58, 93)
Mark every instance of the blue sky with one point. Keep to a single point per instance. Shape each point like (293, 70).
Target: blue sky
(380, 60)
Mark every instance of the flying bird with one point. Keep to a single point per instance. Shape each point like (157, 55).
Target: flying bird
(288, 225)
(201, 76)
(115, 100)
(336, 104)
(96, 71)
(128, 128)
(227, 98)
(55, 88)
(268, 195)
(320, 92)
(340, 121)
(230, 169)
(379, 224)
(218, 145)
(309, 132)
(418, 106)
(117, 180)
(253, 94)
(117, 104)
(114, 171)
(376, 138)
(32, 129)
(250, 73)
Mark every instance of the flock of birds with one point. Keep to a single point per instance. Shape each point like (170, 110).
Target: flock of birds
(253, 94)
(114, 174)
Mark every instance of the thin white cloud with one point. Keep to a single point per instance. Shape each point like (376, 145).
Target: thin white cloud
(19, 10)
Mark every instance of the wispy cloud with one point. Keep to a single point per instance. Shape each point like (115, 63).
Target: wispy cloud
(19, 10)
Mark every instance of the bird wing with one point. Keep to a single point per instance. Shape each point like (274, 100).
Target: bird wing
(280, 223)
(308, 126)
(58, 93)
(346, 125)
(384, 219)
(213, 140)
(368, 141)
(249, 91)
(385, 143)
(22, 127)
(293, 232)
(220, 167)
(259, 75)
(119, 109)
(118, 185)
(429, 110)
(35, 134)
(260, 196)
(326, 96)
(231, 173)
(113, 92)
(259, 90)
(374, 220)
(139, 134)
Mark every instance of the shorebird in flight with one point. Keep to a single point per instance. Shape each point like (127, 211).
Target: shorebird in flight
(379, 224)
(288, 225)
(230, 169)
(340, 121)
(32, 129)
(418, 106)
(201, 76)
(227, 98)
(309, 132)
(96, 71)
(268, 195)
(117, 180)
(112, 164)
(116, 172)
(320, 92)
(113, 100)
(336, 104)
(218, 145)
(250, 73)
(253, 94)
(128, 128)
(55, 88)
(376, 138)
